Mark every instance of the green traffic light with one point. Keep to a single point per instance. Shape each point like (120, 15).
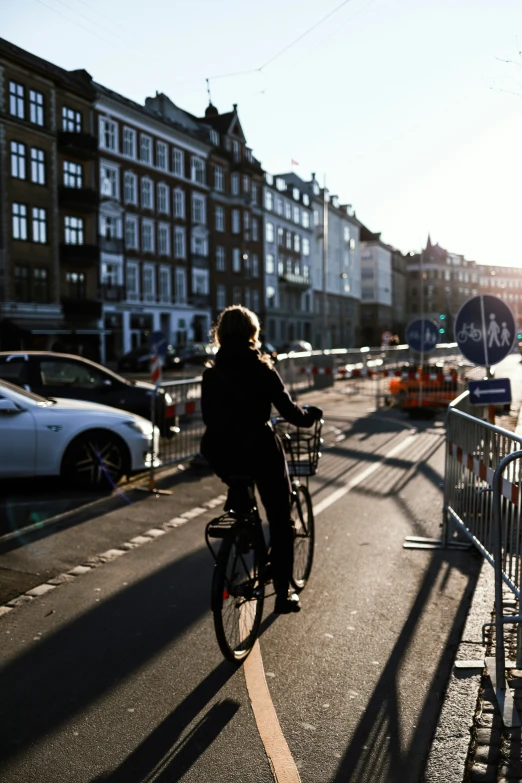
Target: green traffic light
(519, 336)
(441, 331)
(442, 316)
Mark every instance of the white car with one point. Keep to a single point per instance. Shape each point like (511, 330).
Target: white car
(90, 445)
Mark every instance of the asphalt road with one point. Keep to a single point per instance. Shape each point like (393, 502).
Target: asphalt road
(116, 674)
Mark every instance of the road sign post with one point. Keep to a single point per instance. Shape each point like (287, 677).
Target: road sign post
(490, 391)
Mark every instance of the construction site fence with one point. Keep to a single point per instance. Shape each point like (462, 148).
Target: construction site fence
(482, 504)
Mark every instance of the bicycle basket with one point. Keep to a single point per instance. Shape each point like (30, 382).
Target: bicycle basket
(301, 446)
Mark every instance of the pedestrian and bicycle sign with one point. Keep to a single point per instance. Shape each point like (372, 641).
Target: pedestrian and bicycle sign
(485, 330)
(422, 335)
(490, 391)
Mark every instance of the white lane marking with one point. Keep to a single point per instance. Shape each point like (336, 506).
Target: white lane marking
(342, 491)
(281, 761)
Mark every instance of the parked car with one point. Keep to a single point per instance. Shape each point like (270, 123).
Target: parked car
(65, 375)
(270, 350)
(88, 444)
(297, 346)
(197, 353)
(138, 360)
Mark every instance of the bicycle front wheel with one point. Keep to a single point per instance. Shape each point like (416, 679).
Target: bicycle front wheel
(237, 597)
(304, 536)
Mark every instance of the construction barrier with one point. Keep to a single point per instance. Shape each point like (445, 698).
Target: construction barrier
(482, 502)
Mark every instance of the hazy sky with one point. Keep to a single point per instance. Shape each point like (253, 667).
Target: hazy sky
(404, 105)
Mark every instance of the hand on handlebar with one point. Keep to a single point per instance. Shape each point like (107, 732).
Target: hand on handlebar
(317, 413)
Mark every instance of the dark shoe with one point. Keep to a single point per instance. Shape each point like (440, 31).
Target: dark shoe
(287, 604)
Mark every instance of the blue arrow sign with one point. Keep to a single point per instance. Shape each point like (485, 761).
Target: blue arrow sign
(422, 335)
(485, 330)
(493, 391)
(158, 344)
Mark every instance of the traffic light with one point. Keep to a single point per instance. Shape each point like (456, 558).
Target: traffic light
(442, 316)
(519, 335)
(442, 328)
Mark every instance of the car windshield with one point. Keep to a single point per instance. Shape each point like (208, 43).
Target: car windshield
(23, 394)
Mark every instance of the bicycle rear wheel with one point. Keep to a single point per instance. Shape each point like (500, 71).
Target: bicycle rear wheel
(304, 536)
(237, 596)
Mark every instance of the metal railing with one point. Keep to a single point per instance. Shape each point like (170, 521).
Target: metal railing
(482, 501)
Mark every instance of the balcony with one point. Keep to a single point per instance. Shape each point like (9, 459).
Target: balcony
(201, 262)
(79, 255)
(82, 145)
(200, 300)
(79, 309)
(79, 198)
(108, 245)
(111, 293)
(295, 281)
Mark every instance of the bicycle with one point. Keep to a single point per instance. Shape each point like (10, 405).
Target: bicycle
(242, 563)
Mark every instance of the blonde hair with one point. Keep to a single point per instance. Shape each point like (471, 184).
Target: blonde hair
(238, 324)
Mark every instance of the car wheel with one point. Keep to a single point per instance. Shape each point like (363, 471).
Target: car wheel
(95, 460)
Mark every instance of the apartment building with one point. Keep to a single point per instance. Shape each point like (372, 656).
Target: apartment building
(287, 232)
(236, 218)
(376, 287)
(49, 201)
(504, 282)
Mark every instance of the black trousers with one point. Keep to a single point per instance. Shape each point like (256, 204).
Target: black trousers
(260, 455)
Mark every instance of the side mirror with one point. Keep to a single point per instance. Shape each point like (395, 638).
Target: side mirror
(8, 406)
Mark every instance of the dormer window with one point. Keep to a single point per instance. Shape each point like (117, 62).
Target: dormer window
(295, 194)
(236, 150)
(214, 137)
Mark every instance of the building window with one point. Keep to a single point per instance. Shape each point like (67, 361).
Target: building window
(21, 284)
(236, 260)
(16, 100)
(129, 181)
(255, 230)
(109, 182)
(146, 193)
(236, 295)
(147, 237)
(164, 284)
(296, 215)
(247, 297)
(297, 243)
(131, 233)
(236, 150)
(148, 283)
(181, 286)
(73, 230)
(219, 178)
(316, 217)
(269, 232)
(164, 244)
(255, 300)
(236, 221)
(39, 225)
(179, 242)
(269, 200)
(71, 120)
(214, 137)
(129, 142)
(179, 203)
(17, 160)
(108, 134)
(19, 221)
(178, 164)
(145, 149)
(288, 210)
(246, 221)
(235, 184)
(36, 107)
(306, 246)
(37, 166)
(199, 245)
(161, 155)
(220, 259)
(270, 265)
(306, 219)
(41, 285)
(289, 240)
(109, 226)
(280, 237)
(198, 170)
(279, 205)
(255, 265)
(246, 183)
(221, 297)
(132, 282)
(281, 267)
(72, 174)
(254, 193)
(75, 285)
(163, 198)
(220, 219)
(198, 208)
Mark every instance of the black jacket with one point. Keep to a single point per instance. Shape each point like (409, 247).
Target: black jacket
(237, 395)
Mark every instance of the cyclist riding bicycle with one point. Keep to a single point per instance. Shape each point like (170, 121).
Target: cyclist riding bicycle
(237, 395)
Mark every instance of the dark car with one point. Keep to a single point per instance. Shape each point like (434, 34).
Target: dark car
(197, 353)
(65, 375)
(138, 360)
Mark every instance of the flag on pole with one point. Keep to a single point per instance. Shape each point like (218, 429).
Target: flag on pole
(294, 162)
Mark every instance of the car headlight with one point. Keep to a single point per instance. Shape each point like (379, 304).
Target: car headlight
(168, 399)
(143, 427)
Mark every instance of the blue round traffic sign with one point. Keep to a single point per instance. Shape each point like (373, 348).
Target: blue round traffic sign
(422, 335)
(485, 330)
(158, 344)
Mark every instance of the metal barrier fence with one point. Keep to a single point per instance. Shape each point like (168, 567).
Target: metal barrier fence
(482, 500)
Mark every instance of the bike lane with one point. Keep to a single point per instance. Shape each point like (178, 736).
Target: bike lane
(118, 677)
